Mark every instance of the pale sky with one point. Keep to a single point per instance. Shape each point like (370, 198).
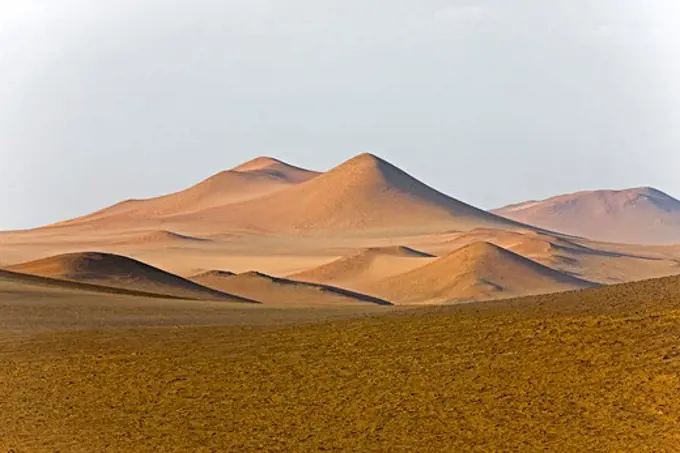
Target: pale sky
(490, 101)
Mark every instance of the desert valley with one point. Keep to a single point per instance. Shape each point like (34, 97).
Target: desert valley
(269, 306)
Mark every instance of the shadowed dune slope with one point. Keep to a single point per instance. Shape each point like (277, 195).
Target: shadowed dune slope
(398, 251)
(479, 271)
(365, 192)
(366, 265)
(120, 272)
(255, 178)
(268, 289)
(12, 282)
(641, 215)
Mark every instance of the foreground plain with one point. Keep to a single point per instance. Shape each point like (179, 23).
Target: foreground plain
(597, 370)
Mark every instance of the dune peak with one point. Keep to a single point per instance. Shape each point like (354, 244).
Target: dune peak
(395, 250)
(259, 163)
(477, 271)
(214, 273)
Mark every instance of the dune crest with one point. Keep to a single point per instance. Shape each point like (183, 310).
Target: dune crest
(162, 237)
(17, 282)
(118, 271)
(369, 264)
(396, 250)
(248, 181)
(366, 192)
(477, 271)
(275, 168)
(268, 289)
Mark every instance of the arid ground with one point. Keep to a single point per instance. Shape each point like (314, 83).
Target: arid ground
(272, 308)
(595, 371)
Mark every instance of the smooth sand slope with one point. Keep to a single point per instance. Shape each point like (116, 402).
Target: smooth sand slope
(367, 265)
(279, 291)
(365, 192)
(117, 271)
(250, 180)
(598, 262)
(636, 216)
(479, 271)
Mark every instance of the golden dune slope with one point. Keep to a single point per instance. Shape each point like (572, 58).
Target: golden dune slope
(367, 265)
(479, 271)
(250, 180)
(365, 192)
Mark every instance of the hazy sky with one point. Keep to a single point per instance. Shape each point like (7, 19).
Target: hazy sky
(490, 101)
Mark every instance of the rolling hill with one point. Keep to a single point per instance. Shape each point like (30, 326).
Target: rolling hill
(479, 271)
(637, 216)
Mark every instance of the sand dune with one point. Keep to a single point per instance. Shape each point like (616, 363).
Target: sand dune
(256, 178)
(13, 282)
(365, 192)
(367, 265)
(479, 271)
(272, 290)
(160, 237)
(365, 195)
(641, 215)
(324, 229)
(593, 261)
(120, 272)
(274, 168)
(528, 244)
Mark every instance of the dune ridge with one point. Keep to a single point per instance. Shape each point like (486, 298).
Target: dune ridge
(366, 192)
(161, 237)
(37, 283)
(268, 289)
(256, 178)
(479, 271)
(275, 168)
(365, 265)
(116, 271)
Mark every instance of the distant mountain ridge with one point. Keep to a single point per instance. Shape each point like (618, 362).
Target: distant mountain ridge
(641, 215)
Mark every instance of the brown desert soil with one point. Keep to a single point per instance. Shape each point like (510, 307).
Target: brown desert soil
(596, 370)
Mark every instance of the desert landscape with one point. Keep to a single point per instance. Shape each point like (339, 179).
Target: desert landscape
(275, 308)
